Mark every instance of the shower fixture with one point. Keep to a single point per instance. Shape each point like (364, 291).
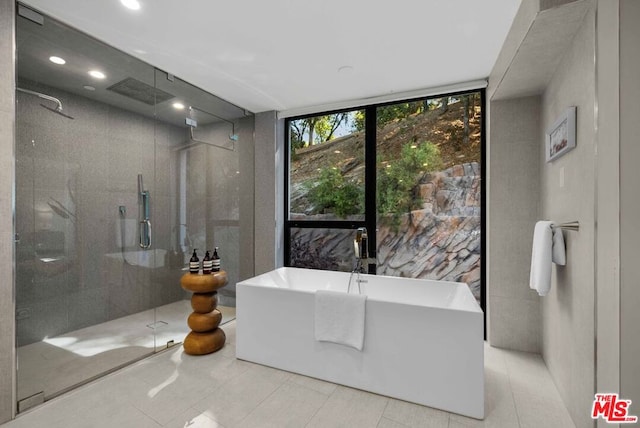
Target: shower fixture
(192, 123)
(58, 108)
(145, 222)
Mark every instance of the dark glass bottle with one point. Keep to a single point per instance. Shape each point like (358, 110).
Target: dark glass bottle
(194, 263)
(216, 260)
(207, 263)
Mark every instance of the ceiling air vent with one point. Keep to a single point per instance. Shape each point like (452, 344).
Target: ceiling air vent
(140, 91)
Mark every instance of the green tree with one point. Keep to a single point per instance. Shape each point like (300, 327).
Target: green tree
(298, 129)
(328, 125)
(315, 130)
(333, 192)
(389, 113)
(398, 179)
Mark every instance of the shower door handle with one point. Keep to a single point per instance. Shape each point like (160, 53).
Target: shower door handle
(145, 234)
(145, 223)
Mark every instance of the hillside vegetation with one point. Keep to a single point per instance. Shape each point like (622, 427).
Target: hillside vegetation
(444, 129)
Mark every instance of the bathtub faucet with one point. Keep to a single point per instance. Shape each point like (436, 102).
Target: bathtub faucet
(360, 249)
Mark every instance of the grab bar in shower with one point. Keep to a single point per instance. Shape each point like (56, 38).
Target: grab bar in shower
(145, 221)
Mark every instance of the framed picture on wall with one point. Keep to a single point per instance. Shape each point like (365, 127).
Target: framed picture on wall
(561, 136)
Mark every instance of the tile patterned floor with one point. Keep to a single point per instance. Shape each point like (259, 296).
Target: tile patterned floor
(176, 390)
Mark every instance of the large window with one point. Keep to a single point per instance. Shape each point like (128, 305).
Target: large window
(410, 172)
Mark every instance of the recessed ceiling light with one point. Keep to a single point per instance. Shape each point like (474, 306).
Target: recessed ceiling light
(97, 74)
(89, 87)
(131, 4)
(178, 106)
(57, 60)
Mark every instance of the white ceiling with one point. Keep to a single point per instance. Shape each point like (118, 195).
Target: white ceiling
(285, 54)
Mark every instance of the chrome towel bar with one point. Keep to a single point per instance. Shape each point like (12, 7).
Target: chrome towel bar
(571, 225)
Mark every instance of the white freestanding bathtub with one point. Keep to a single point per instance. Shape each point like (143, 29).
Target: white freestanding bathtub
(423, 339)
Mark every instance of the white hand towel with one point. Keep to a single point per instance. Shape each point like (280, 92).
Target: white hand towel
(540, 278)
(558, 255)
(339, 318)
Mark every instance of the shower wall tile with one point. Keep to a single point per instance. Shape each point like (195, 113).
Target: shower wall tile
(227, 238)
(42, 285)
(89, 117)
(246, 205)
(24, 205)
(7, 156)
(124, 161)
(93, 233)
(162, 225)
(49, 174)
(88, 307)
(515, 324)
(25, 141)
(513, 283)
(42, 142)
(168, 136)
(49, 317)
(513, 209)
(265, 190)
(164, 173)
(130, 293)
(87, 154)
(126, 126)
(166, 286)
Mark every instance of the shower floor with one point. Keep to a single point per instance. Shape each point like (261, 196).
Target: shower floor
(56, 364)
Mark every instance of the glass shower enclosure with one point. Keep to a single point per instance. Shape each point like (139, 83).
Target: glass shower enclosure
(121, 171)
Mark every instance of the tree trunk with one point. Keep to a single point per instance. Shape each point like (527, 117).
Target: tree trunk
(311, 129)
(465, 120)
(445, 105)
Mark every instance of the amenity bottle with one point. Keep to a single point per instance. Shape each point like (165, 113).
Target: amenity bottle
(216, 260)
(194, 263)
(207, 263)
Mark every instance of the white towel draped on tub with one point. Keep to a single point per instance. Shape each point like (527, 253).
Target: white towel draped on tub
(339, 318)
(548, 246)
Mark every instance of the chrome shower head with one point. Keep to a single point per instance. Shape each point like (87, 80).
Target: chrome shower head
(57, 110)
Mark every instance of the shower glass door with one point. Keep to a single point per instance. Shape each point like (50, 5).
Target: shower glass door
(89, 272)
(83, 283)
(121, 171)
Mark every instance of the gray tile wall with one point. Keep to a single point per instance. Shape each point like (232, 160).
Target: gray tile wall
(568, 322)
(265, 191)
(7, 162)
(548, 4)
(513, 209)
(519, 29)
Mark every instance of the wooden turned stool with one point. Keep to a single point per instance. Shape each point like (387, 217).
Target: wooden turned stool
(205, 336)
